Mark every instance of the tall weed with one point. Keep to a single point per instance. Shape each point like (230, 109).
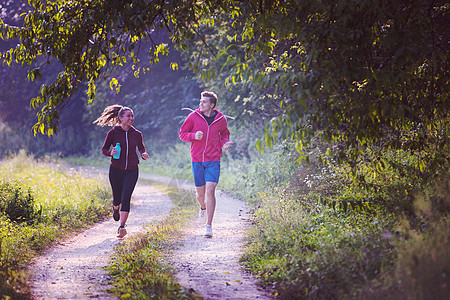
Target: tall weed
(423, 266)
(247, 177)
(17, 205)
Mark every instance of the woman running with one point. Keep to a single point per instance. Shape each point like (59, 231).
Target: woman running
(123, 171)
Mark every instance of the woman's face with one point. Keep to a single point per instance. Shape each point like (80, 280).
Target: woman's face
(128, 118)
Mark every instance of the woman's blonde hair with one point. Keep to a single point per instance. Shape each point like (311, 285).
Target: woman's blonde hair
(110, 115)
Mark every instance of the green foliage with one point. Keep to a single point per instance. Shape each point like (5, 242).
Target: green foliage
(148, 95)
(314, 252)
(104, 35)
(59, 201)
(173, 161)
(423, 265)
(139, 266)
(306, 248)
(348, 73)
(16, 205)
(369, 78)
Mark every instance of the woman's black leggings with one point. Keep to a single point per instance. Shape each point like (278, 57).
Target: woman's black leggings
(122, 184)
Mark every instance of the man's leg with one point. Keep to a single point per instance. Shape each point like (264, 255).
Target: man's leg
(200, 195)
(210, 200)
(200, 188)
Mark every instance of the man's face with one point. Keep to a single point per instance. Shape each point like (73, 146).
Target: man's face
(205, 104)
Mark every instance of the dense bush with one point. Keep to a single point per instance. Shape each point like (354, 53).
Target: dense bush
(17, 205)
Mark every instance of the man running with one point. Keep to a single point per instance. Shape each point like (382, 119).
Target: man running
(206, 129)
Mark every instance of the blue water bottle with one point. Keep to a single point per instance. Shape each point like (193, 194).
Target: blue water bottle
(117, 155)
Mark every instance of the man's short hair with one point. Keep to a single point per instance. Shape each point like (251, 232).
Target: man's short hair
(212, 97)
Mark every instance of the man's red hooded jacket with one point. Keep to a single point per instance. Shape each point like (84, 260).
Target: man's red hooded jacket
(209, 148)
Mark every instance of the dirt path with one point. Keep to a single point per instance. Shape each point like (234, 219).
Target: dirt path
(210, 265)
(74, 269)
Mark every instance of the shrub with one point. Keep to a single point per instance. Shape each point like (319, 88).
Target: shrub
(333, 231)
(315, 252)
(18, 206)
(245, 178)
(423, 268)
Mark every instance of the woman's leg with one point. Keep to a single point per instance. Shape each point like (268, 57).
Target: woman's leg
(116, 181)
(129, 182)
(123, 217)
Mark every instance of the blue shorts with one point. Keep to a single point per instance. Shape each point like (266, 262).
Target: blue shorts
(206, 171)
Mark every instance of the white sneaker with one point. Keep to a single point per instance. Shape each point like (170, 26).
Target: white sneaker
(202, 214)
(208, 231)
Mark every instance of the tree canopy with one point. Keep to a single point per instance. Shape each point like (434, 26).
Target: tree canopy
(352, 73)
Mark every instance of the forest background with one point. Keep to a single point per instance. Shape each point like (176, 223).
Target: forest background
(340, 121)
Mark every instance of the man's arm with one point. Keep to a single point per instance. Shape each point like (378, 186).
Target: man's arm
(186, 134)
(224, 134)
(225, 138)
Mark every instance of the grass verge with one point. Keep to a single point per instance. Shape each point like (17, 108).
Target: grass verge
(41, 203)
(318, 234)
(140, 267)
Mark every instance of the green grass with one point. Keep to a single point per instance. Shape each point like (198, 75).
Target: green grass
(174, 162)
(52, 201)
(141, 267)
(321, 231)
(319, 234)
